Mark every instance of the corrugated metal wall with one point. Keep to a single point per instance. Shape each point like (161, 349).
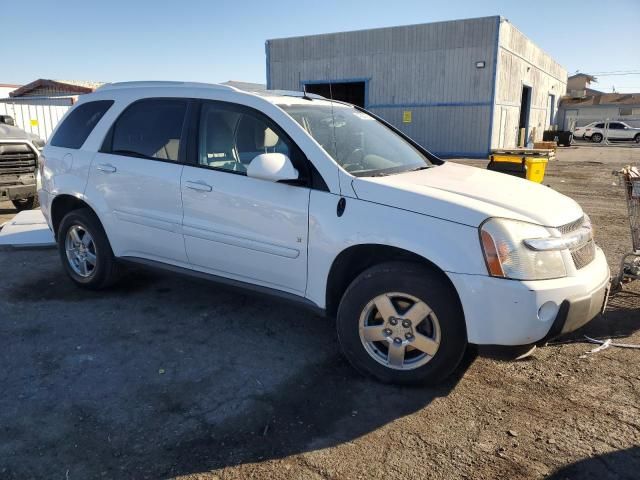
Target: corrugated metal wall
(426, 69)
(521, 62)
(36, 115)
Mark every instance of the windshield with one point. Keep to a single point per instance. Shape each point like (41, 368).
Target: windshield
(363, 146)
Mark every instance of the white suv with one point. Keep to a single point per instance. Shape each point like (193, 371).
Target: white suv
(598, 131)
(326, 204)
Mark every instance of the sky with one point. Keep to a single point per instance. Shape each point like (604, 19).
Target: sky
(215, 41)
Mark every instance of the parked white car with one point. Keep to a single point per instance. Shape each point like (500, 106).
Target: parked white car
(597, 131)
(322, 203)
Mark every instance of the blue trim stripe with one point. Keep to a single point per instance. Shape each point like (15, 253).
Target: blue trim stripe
(461, 154)
(337, 80)
(433, 104)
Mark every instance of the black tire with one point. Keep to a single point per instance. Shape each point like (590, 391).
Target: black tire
(420, 282)
(637, 138)
(566, 139)
(107, 270)
(596, 138)
(26, 203)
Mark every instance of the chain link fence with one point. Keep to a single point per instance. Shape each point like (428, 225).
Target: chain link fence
(620, 130)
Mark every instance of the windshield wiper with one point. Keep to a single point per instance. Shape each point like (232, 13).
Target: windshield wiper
(423, 167)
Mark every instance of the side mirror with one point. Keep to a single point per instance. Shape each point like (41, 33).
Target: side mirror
(272, 166)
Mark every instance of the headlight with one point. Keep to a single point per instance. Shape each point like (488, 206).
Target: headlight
(509, 254)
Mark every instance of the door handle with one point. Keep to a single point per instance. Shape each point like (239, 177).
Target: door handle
(199, 186)
(106, 168)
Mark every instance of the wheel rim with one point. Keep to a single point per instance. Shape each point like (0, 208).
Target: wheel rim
(81, 251)
(597, 138)
(399, 331)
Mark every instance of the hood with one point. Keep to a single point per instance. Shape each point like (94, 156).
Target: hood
(469, 195)
(10, 132)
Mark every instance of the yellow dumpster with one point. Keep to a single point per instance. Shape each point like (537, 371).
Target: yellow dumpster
(529, 164)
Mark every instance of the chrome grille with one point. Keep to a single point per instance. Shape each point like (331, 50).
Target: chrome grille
(570, 227)
(584, 255)
(17, 159)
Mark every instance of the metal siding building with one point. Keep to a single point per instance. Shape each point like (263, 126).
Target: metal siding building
(457, 109)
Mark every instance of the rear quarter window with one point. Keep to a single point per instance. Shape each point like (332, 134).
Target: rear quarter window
(79, 124)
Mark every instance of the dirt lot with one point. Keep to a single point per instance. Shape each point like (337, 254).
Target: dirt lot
(168, 377)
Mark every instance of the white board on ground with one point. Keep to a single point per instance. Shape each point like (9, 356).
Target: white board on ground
(27, 229)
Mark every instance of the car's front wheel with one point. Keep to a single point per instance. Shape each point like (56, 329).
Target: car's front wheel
(402, 323)
(85, 250)
(637, 138)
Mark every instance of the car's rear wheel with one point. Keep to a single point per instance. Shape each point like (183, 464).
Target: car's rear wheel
(596, 137)
(85, 251)
(402, 323)
(637, 138)
(26, 203)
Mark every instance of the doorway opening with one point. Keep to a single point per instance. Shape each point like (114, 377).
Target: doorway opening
(525, 107)
(552, 111)
(350, 92)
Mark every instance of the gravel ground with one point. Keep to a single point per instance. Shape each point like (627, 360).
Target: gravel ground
(166, 377)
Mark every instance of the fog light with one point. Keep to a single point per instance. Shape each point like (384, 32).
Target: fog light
(547, 312)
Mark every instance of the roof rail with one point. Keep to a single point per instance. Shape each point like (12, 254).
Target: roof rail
(289, 93)
(163, 83)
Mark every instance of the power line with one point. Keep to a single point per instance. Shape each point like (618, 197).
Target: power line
(616, 72)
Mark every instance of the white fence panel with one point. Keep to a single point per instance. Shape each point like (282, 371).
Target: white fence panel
(38, 115)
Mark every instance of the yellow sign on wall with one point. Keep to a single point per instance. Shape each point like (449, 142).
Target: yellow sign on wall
(406, 116)
(34, 122)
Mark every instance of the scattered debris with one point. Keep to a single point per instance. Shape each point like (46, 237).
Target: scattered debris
(513, 433)
(161, 371)
(604, 345)
(610, 343)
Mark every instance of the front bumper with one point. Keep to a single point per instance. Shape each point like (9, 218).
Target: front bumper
(45, 205)
(576, 312)
(17, 192)
(511, 312)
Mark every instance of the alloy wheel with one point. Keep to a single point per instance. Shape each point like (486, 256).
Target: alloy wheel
(81, 251)
(399, 331)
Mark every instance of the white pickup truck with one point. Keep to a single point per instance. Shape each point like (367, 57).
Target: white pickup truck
(19, 152)
(323, 203)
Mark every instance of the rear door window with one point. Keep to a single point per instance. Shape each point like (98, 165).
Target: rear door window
(150, 129)
(79, 124)
(600, 125)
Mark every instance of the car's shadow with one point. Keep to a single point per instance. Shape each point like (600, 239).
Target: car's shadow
(7, 211)
(619, 465)
(166, 376)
